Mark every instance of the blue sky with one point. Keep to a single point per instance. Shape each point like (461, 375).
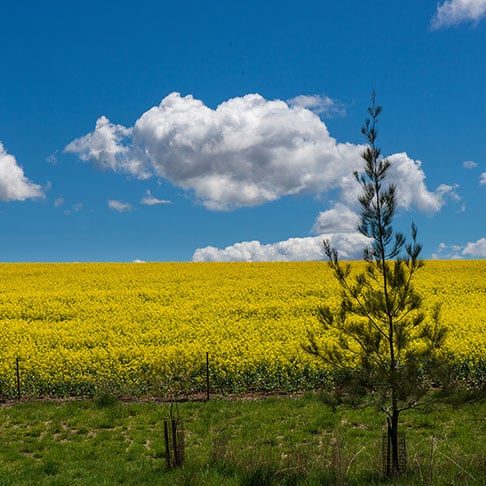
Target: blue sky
(249, 155)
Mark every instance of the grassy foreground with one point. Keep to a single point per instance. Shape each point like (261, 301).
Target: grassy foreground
(273, 441)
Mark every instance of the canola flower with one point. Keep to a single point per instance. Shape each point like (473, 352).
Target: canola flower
(142, 329)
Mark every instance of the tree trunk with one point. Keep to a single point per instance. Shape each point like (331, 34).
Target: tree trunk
(394, 443)
(393, 459)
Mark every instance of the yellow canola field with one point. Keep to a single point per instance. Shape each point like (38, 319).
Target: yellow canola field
(145, 328)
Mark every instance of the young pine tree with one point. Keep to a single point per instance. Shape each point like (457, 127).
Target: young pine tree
(381, 337)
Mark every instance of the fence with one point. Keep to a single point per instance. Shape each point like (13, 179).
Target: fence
(23, 377)
(20, 378)
(21, 386)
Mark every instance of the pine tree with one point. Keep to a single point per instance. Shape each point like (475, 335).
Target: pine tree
(379, 330)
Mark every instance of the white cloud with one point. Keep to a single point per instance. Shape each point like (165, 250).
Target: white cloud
(105, 147)
(453, 12)
(476, 249)
(469, 164)
(119, 206)
(349, 246)
(58, 202)
(453, 252)
(447, 252)
(14, 186)
(446, 191)
(150, 200)
(338, 225)
(52, 159)
(75, 209)
(482, 179)
(339, 219)
(322, 105)
(408, 176)
(247, 151)
(138, 261)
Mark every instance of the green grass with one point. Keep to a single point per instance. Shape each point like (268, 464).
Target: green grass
(273, 441)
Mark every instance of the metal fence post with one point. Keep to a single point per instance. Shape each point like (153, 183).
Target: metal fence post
(207, 376)
(17, 372)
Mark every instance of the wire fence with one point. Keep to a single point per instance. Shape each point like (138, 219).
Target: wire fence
(22, 378)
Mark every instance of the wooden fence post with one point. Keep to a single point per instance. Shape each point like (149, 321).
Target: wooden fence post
(167, 445)
(174, 440)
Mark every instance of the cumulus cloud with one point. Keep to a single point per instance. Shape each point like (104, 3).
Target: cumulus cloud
(446, 191)
(337, 224)
(14, 186)
(409, 177)
(149, 200)
(469, 164)
(453, 12)
(119, 206)
(322, 105)
(58, 202)
(412, 191)
(245, 152)
(475, 249)
(340, 219)
(448, 252)
(482, 179)
(349, 246)
(138, 261)
(105, 146)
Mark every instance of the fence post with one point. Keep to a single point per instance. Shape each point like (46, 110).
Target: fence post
(207, 376)
(174, 440)
(17, 372)
(167, 445)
